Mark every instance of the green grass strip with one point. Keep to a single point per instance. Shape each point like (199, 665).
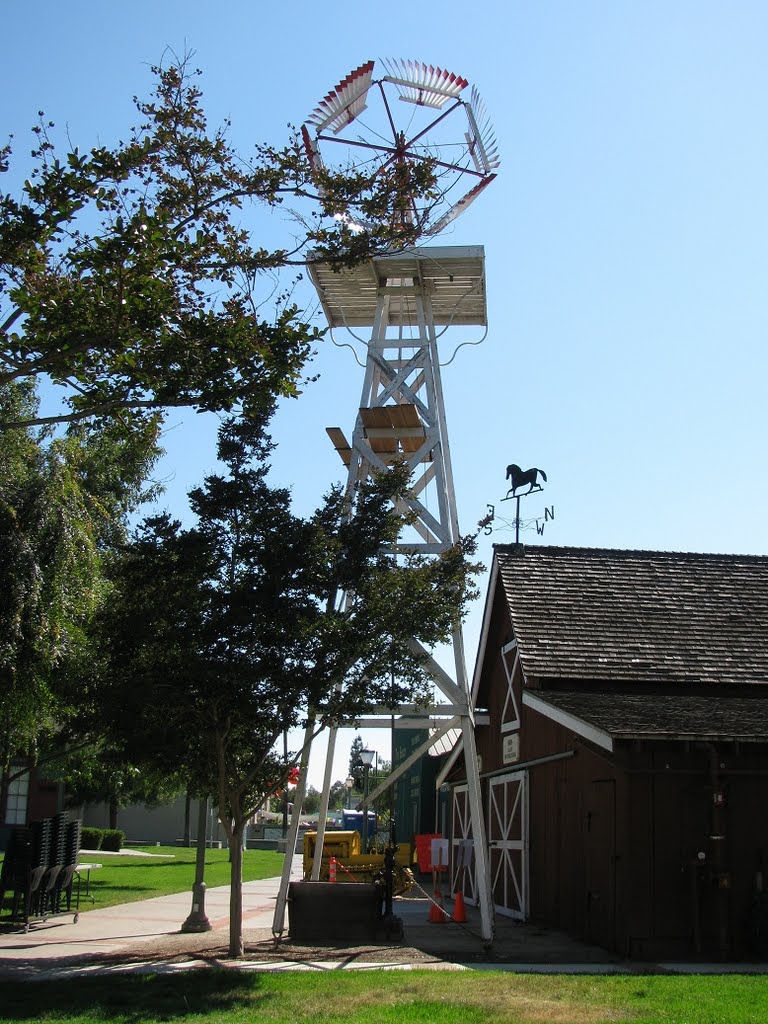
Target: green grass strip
(378, 997)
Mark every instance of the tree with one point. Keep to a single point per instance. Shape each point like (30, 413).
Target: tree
(338, 795)
(223, 636)
(354, 756)
(129, 276)
(383, 803)
(311, 803)
(63, 500)
(100, 774)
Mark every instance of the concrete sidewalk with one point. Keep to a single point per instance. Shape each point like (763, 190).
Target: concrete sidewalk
(124, 927)
(145, 936)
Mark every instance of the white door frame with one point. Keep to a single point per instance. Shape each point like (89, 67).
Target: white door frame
(513, 825)
(461, 816)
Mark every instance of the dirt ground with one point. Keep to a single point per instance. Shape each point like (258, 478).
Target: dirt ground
(442, 947)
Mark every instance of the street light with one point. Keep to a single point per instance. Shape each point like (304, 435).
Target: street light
(197, 920)
(350, 784)
(366, 759)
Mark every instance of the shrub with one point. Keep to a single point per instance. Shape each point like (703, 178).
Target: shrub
(112, 839)
(90, 838)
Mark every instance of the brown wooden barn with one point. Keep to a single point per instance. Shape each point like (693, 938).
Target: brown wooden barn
(625, 763)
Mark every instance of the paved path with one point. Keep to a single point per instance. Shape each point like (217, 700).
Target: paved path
(127, 925)
(114, 939)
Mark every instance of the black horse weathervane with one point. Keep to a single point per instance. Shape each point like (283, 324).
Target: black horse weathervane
(519, 478)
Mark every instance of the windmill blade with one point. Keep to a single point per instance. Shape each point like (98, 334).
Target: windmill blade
(460, 207)
(481, 138)
(422, 83)
(345, 102)
(312, 150)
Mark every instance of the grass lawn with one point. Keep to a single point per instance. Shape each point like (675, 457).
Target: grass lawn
(124, 879)
(360, 997)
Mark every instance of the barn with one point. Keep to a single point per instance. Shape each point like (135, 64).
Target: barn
(624, 755)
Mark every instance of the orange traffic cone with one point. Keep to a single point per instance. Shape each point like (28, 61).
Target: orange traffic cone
(436, 913)
(459, 911)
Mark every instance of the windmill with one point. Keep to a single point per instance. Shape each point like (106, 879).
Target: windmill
(411, 122)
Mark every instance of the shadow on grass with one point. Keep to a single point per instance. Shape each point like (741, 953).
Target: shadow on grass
(134, 999)
(111, 887)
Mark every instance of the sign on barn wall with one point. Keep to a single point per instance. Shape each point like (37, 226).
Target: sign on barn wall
(510, 748)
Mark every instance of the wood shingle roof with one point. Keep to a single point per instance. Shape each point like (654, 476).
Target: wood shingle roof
(644, 617)
(664, 716)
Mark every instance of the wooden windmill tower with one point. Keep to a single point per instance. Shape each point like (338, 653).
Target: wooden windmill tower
(404, 302)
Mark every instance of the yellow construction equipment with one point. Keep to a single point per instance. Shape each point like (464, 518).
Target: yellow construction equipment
(352, 865)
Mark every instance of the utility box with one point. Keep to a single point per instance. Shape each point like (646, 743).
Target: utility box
(355, 820)
(327, 912)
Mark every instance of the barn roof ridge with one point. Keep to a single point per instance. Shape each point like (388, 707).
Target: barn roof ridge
(522, 550)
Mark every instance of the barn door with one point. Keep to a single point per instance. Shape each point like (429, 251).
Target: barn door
(462, 858)
(508, 843)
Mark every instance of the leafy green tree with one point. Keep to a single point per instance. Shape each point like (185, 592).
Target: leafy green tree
(354, 756)
(223, 636)
(130, 277)
(338, 796)
(311, 803)
(133, 281)
(383, 803)
(100, 774)
(62, 503)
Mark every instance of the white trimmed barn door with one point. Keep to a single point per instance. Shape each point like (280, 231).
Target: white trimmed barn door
(508, 843)
(463, 877)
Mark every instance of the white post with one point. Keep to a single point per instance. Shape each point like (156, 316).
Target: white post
(278, 922)
(324, 801)
(477, 825)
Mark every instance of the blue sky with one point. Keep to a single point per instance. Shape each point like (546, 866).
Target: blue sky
(625, 238)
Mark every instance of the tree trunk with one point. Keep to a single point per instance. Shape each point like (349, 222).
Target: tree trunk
(236, 890)
(113, 812)
(4, 787)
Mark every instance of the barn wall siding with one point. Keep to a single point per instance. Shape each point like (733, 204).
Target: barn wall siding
(614, 849)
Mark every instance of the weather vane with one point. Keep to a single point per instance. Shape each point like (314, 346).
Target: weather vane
(519, 478)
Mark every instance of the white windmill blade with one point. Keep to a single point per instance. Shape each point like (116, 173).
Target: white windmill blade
(312, 149)
(459, 207)
(345, 102)
(481, 138)
(423, 84)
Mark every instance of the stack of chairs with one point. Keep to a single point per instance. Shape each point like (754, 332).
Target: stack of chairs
(16, 874)
(71, 856)
(49, 891)
(40, 866)
(41, 855)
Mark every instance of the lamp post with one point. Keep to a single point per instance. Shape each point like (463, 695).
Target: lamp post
(366, 758)
(197, 920)
(350, 784)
